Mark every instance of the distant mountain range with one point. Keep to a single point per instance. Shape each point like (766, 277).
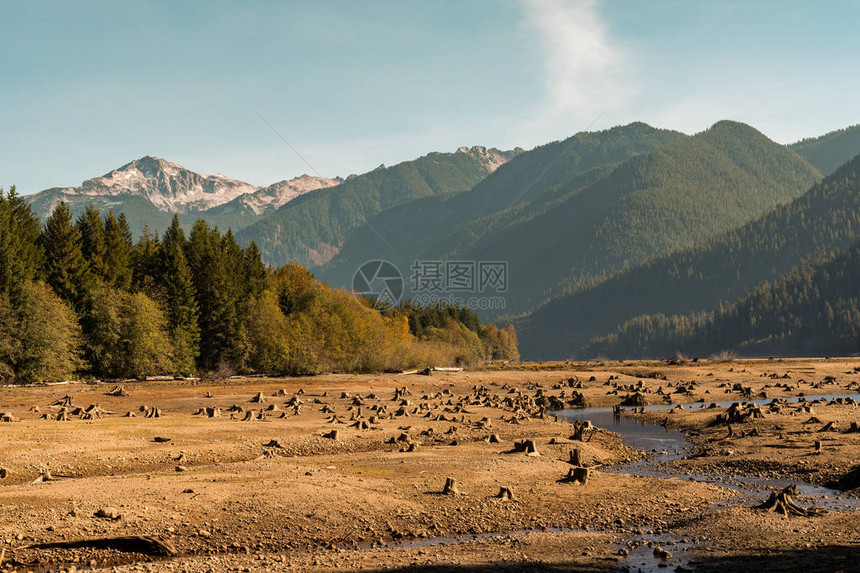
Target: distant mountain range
(150, 190)
(312, 229)
(604, 234)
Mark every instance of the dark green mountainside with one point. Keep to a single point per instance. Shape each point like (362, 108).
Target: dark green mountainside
(432, 226)
(812, 310)
(652, 204)
(822, 221)
(831, 150)
(311, 229)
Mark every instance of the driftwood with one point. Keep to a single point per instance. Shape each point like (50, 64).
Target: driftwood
(132, 544)
(782, 502)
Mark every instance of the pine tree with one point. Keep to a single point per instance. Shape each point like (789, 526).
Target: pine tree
(144, 263)
(180, 300)
(65, 267)
(21, 254)
(118, 247)
(92, 232)
(255, 272)
(216, 297)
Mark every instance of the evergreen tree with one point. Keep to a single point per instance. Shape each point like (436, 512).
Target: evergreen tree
(21, 255)
(65, 267)
(177, 285)
(255, 272)
(144, 264)
(92, 232)
(216, 289)
(118, 248)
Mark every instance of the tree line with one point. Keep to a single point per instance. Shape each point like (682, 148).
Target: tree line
(812, 310)
(78, 297)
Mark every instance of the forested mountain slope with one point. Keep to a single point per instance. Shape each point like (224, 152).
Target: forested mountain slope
(831, 150)
(812, 310)
(311, 229)
(822, 221)
(423, 227)
(650, 205)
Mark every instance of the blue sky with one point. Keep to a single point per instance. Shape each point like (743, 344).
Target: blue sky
(87, 86)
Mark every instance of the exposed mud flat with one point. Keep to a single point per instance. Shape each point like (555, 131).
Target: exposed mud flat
(261, 487)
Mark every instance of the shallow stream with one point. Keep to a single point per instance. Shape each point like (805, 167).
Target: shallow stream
(668, 445)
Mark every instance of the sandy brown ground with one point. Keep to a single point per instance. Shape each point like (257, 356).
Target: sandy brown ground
(307, 504)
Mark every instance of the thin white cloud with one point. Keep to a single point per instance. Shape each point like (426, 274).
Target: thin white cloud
(584, 70)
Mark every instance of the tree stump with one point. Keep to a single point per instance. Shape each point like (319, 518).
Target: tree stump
(579, 430)
(575, 458)
(527, 446)
(576, 475)
(505, 494)
(783, 503)
(450, 487)
(331, 435)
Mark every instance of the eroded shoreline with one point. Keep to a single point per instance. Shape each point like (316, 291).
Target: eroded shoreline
(235, 506)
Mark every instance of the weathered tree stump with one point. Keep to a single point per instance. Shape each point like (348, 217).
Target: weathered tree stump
(576, 475)
(505, 494)
(450, 487)
(580, 429)
(575, 457)
(331, 435)
(527, 446)
(782, 503)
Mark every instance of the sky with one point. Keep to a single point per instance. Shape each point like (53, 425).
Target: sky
(268, 90)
